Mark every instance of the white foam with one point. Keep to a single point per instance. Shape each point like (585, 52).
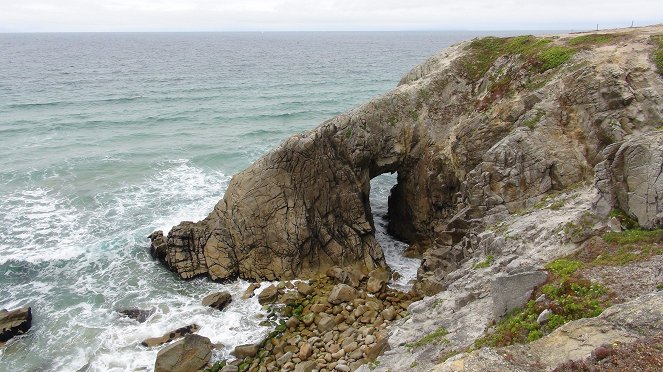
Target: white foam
(39, 225)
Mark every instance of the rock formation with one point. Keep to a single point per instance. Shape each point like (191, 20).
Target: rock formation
(190, 354)
(484, 129)
(14, 322)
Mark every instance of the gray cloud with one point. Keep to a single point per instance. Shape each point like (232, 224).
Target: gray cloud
(220, 15)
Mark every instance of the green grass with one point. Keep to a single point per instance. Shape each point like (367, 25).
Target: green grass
(534, 120)
(657, 56)
(630, 246)
(485, 263)
(624, 219)
(568, 297)
(554, 56)
(436, 336)
(563, 267)
(591, 40)
(537, 51)
(659, 286)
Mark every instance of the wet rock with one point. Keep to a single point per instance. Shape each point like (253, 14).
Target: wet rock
(268, 295)
(136, 314)
(218, 300)
(190, 354)
(250, 291)
(171, 336)
(341, 293)
(246, 350)
(14, 322)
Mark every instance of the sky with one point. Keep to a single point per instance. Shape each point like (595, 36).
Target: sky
(322, 15)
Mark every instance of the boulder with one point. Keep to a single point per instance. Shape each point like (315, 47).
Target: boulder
(512, 291)
(304, 288)
(14, 322)
(138, 315)
(217, 300)
(246, 350)
(250, 291)
(341, 293)
(190, 354)
(268, 295)
(171, 336)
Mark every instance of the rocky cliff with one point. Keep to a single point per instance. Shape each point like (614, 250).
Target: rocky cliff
(484, 129)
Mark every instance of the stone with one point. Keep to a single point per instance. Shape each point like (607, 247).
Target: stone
(544, 316)
(325, 322)
(217, 300)
(512, 291)
(14, 322)
(246, 350)
(136, 314)
(250, 291)
(308, 319)
(171, 336)
(190, 354)
(284, 359)
(268, 295)
(304, 288)
(380, 345)
(341, 293)
(305, 351)
(292, 322)
(306, 366)
(389, 313)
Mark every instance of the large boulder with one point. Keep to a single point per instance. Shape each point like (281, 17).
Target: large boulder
(630, 179)
(14, 322)
(341, 293)
(217, 300)
(190, 354)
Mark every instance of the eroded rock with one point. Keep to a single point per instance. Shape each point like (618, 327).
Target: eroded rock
(190, 354)
(14, 322)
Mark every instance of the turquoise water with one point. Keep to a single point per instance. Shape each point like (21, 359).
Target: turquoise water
(107, 137)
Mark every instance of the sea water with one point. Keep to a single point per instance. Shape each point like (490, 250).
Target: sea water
(105, 138)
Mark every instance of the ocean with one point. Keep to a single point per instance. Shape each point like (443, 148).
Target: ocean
(105, 138)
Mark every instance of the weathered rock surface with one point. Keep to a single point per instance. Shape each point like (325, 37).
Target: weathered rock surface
(171, 336)
(14, 322)
(190, 354)
(217, 300)
(630, 178)
(573, 341)
(468, 149)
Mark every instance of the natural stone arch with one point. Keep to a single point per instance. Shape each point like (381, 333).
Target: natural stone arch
(304, 206)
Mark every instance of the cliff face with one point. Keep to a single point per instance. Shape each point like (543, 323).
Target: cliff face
(482, 130)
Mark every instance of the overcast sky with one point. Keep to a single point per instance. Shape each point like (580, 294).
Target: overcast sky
(267, 15)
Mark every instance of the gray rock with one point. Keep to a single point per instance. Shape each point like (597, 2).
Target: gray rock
(190, 354)
(629, 179)
(544, 316)
(217, 300)
(14, 322)
(512, 291)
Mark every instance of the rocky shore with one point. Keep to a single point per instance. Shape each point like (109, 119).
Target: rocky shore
(528, 183)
